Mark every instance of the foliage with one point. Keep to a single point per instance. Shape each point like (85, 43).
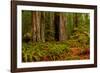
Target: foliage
(26, 22)
(37, 51)
(81, 35)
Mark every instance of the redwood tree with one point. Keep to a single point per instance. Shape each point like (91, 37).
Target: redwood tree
(62, 30)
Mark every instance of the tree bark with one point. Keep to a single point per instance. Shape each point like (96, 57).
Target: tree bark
(52, 26)
(56, 23)
(42, 27)
(34, 26)
(38, 26)
(62, 30)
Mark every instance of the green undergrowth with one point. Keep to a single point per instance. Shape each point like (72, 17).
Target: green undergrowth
(43, 51)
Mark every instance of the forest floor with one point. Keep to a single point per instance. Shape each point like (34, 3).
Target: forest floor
(52, 52)
(83, 54)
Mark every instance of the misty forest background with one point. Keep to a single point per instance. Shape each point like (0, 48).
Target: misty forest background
(52, 36)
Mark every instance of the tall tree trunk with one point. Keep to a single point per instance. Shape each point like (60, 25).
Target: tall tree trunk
(38, 26)
(56, 23)
(52, 26)
(34, 26)
(42, 27)
(62, 30)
